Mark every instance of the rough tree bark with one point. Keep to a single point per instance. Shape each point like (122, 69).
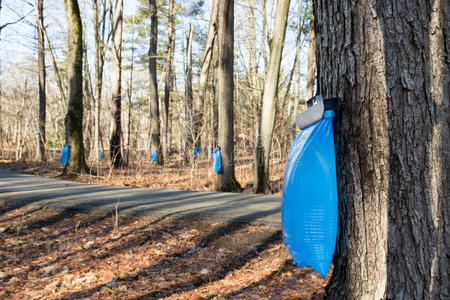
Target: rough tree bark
(153, 84)
(388, 63)
(269, 99)
(226, 180)
(189, 99)
(116, 89)
(40, 137)
(311, 75)
(168, 86)
(74, 117)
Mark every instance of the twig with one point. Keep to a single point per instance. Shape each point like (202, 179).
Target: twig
(76, 228)
(115, 218)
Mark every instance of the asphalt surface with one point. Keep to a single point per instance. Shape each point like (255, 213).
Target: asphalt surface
(18, 189)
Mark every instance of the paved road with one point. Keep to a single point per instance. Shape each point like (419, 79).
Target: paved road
(20, 189)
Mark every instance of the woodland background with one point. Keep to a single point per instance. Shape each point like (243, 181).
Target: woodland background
(253, 32)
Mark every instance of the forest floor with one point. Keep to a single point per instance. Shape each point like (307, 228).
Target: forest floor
(144, 173)
(66, 254)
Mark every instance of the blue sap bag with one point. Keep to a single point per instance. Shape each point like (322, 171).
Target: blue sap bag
(310, 207)
(197, 151)
(154, 155)
(217, 164)
(65, 155)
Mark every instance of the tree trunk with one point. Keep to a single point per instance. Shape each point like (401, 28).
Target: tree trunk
(298, 47)
(189, 98)
(269, 97)
(388, 63)
(215, 97)
(116, 89)
(74, 117)
(40, 143)
(254, 82)
(153, 84)
(168, 82)
(88, 99)
(130, 97)
(205, 62)
(264, 34)
(299, 78)
(99, 34)
(226, 180)
(311, 75)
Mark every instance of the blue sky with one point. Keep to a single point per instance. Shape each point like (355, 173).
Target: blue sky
(18, 42)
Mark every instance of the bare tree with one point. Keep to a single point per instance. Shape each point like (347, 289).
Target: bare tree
(226, 180)
(130, 91)
(61, 87)
(391, 72)
(74, 117)
(3, 26)
(300, 26)
(205, 62)
(215, 96)
(264, 143)
(168, 86)
(189, 98)
(40, 136)
(153, 84)
(99, 35)
(116, 137)
(253, 68)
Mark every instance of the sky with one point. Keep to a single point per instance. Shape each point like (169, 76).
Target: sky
(18, 41)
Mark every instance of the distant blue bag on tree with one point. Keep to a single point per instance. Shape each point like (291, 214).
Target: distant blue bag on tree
(310, 207)
(99, 155)
(65, 155)
(217, 165)
(197, 151)
(154, 155)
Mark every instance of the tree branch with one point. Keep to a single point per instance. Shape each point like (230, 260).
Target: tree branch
(11, 23)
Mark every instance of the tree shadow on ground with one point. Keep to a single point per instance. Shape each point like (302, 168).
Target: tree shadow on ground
(227, 266)
(92, 221)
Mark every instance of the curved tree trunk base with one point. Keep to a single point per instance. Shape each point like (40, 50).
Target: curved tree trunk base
(85, 170)
(232, 186)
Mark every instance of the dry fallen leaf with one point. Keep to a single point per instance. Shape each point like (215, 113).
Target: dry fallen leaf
(152, 258)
